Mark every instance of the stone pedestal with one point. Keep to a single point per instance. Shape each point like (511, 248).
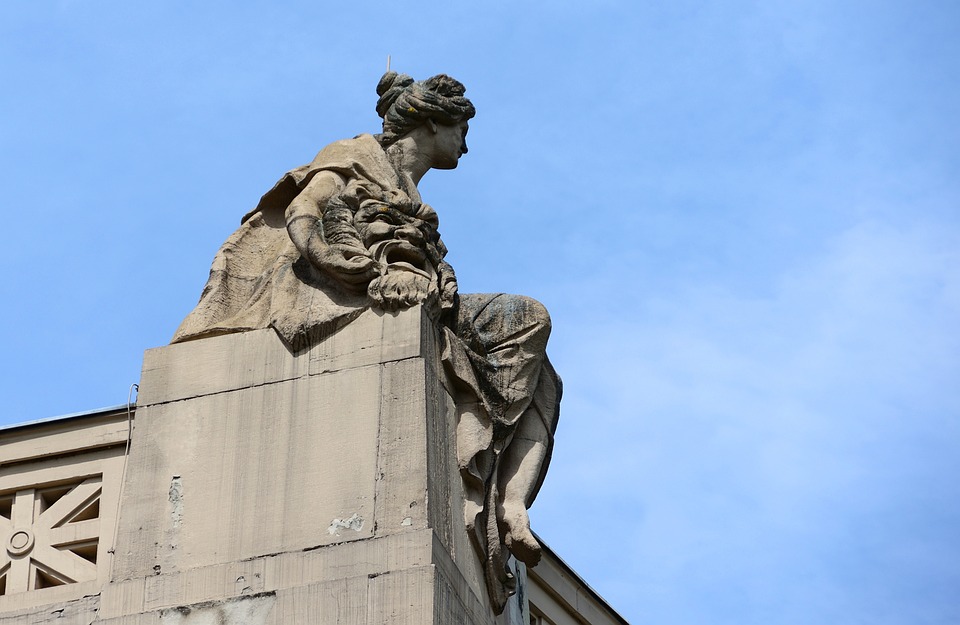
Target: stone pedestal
(270, 488)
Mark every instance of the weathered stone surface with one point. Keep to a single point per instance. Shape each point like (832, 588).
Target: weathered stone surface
(192, 369)
(287, 479)
(348, 233)
(77, 612)
(242, 482)
(239, 611)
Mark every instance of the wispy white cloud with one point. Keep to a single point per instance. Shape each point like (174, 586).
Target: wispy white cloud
(779, 433)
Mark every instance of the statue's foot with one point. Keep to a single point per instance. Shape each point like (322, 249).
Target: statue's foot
(519, 539)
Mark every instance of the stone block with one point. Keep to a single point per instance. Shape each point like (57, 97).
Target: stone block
(324, 484)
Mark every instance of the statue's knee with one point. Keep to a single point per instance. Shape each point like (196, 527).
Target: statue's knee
(537, 313)
(534, 312)
(508, 315)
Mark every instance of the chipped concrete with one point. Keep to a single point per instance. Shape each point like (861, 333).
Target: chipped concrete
(252, 610)
(354, 523)
(176, 501)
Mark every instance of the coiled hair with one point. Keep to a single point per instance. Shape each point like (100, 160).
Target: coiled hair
(405, 104)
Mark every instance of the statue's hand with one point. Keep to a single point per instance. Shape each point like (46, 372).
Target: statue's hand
(350, 266)
(397, 290)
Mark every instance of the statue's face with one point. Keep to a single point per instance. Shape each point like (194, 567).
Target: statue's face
(393, 237)
(450, 143)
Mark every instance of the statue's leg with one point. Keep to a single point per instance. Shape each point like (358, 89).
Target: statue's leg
(520, 471)
(506, 337)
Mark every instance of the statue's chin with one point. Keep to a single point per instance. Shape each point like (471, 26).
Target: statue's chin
(446, 164)
(399, 288)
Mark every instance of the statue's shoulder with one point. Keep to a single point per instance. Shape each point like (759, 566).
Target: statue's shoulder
(346, 155)
(359, 157)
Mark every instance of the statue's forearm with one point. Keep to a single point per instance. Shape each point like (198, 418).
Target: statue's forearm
(305, 212)
(329, 242)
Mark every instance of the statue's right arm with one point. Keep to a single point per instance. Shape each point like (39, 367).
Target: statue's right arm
(350, 265)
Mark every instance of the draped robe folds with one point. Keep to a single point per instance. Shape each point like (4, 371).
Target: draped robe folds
(493, 344)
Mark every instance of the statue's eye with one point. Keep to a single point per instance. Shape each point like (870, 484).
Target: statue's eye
(385, 217)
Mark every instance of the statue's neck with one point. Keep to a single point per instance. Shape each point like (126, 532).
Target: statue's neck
(409, 161)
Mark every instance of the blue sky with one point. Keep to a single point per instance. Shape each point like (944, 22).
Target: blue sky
(744, 218)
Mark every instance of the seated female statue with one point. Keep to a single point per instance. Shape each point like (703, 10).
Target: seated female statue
(348, 232)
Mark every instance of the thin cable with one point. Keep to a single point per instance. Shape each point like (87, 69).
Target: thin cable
(123, 473)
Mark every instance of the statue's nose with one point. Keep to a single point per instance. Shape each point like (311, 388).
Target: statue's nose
(409, 233)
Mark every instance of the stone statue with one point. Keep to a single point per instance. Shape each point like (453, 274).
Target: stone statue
(348, 232)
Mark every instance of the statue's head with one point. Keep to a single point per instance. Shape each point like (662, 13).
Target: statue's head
(406, 104)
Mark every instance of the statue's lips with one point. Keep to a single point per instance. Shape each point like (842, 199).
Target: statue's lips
(402, 255)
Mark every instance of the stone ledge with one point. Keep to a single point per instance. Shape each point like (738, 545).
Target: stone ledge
(258, 357)
(350, 580)
(363, 558)
(81, 611)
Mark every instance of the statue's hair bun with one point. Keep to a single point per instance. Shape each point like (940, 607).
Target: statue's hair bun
(445, 86)
(405, 104)
(392, 79)
(390, 87)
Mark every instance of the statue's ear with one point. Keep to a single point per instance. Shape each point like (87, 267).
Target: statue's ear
(432, 125)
